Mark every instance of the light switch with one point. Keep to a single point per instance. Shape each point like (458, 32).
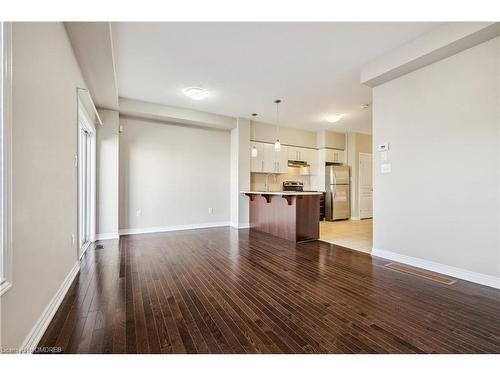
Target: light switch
(383, 147)
(383, 155)
(385, 168)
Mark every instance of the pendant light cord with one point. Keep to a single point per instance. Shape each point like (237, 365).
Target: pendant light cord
(253, 123)
(277, 118)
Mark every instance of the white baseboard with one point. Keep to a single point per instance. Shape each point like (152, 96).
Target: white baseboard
(84, 250)
(240, 226)
(354, 218)
(31, 341)
(171, 228)
(107, 236)
(459, 273)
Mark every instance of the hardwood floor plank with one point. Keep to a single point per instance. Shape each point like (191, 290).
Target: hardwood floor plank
(151, 329)
(222, 290)
(130, 328)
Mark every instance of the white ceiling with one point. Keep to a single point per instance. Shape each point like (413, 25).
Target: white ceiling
(313, 67)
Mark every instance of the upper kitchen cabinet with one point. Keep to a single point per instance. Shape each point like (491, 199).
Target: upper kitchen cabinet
(257, 163)
(275, 162)
(268, 160)
(295, 153)
(311, 157)
(308, 155)
(334, 156)
(281, 159)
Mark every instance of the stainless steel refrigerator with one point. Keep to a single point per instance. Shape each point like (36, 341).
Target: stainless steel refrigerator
(337, 200)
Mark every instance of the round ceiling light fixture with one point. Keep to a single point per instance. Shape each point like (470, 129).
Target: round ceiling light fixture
(333, 118)
(196, 93)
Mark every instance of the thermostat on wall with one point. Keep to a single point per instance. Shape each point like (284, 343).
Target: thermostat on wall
(383, 147)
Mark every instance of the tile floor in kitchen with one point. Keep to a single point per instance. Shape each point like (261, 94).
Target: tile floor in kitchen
(353, 234)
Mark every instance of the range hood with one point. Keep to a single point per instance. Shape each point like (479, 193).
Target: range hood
(297, 163)
(304, 168)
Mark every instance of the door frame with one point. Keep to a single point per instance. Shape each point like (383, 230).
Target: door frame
(84, 122)
(359, 184)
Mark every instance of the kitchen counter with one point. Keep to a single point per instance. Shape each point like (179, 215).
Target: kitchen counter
(283, 192)
(291, 215)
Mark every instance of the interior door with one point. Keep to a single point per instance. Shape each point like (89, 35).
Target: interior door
(365, 186)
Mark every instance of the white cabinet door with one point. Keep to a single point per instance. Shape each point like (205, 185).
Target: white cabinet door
(300, 153)
(302, 156)
(269, 164)
(311, 157)
(282, 160)
(275, 162)
(329, 155)
(340, 156)
(306, 154)
(257, 163)
(293, 153)
(335, 156)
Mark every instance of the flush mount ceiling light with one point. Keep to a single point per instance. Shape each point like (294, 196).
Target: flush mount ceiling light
(333, 118)
(196, 93)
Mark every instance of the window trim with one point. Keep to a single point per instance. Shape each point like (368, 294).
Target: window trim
(6, 159)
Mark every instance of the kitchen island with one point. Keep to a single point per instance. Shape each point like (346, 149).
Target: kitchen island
(291, 215)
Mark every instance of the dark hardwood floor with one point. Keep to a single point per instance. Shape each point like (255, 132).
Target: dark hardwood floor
(227, 291)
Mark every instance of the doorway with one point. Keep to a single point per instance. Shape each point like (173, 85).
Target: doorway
(356, 233)
(86, 181)
(365, 186)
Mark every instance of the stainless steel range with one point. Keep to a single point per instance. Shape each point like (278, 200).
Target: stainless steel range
(293, 186)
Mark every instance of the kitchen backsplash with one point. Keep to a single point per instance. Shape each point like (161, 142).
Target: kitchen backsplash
(258, 180)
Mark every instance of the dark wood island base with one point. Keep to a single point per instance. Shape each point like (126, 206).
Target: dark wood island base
(291, 216)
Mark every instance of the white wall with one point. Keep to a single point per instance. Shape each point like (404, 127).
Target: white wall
(240, 173)
(441, 202)
(173, 174)
(45, 78)
(107, 175)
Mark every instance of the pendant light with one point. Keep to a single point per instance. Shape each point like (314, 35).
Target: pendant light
(254, 149)
(277, 144)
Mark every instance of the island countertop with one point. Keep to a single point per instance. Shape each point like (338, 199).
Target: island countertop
(283, 192)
